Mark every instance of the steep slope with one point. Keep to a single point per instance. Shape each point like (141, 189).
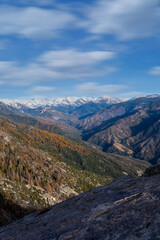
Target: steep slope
(115, 111)
(127, 209)
(38, 168)
(136, 134)
(63, 150)
(35, 156)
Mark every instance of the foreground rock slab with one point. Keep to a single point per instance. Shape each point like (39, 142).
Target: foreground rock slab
(127, 209)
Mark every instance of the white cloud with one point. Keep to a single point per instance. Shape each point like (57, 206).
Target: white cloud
(95, 89)
(34, 22)
(56, 65)
(73, 58)
(155, 71)
(12, 74)
(124, 18)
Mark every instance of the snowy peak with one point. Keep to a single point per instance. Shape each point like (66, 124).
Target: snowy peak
(60, 101)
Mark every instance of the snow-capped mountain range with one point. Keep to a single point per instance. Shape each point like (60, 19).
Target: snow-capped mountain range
(60, 101)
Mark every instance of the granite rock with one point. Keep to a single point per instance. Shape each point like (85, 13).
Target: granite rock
(127, 209)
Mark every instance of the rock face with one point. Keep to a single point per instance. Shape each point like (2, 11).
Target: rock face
(127, 209)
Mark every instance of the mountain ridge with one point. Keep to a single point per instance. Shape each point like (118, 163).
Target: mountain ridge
(73, 101)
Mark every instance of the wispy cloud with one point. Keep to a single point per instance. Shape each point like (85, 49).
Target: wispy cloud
(155, 71)
(56, 65)
(73, 58)
(34, 22)
(95, 89)
(125, 19)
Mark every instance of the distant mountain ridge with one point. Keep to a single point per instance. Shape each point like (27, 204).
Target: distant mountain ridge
(67, 110)
(60, 101)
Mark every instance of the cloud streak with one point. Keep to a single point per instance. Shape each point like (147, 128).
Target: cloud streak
(73, 58)
(124, 18)
(56, 65)
(34, 22)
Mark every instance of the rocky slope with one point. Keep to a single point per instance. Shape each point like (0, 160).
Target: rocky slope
(127, 209)
(136, 134)
(115, 111)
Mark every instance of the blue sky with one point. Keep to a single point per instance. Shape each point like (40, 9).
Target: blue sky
(52, 48)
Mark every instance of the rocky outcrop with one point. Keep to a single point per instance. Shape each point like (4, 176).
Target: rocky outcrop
(127, 209)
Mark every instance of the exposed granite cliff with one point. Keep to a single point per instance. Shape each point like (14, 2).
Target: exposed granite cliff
(127, 209)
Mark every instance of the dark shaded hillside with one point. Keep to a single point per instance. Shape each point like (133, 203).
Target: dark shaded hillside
(11, 211)
(136, 134)
(127, 209)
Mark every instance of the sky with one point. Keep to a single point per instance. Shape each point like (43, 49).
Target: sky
(93, 48)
